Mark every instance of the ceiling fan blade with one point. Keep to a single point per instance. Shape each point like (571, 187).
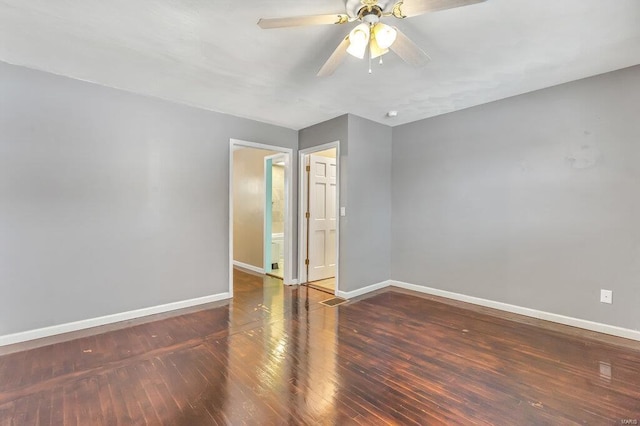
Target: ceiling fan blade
(409, 51)
(335, 59)
(409, 8)
(298, 21)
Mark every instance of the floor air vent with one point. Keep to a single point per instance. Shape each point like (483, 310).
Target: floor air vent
(334, 301)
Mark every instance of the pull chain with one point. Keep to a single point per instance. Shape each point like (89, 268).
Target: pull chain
(369, 47)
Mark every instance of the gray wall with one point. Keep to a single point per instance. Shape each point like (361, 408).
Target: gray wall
(109, 201)
(333, 130)
(533, 200)
(365, 192)
(368, 239)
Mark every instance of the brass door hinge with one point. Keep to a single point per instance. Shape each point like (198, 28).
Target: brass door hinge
(306, 262)
(307, 215)
(308, 168)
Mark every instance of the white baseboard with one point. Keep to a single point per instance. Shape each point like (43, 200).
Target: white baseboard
(292, 282)
(248, 267)
(39, 333)
(548, 316)
(363, 290)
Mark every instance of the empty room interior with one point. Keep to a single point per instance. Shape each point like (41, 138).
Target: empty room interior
(301, 212)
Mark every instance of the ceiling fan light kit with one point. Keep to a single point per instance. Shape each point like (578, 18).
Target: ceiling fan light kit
(378, 37)
(370, 34)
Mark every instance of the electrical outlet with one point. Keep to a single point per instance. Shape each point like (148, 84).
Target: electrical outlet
(605, 370)
(606, 296)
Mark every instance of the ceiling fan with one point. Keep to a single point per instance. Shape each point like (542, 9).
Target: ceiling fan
(371, 35)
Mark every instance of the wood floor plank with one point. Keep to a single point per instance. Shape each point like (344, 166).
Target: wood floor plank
(45, 400)
(107, 408)
(57, 412)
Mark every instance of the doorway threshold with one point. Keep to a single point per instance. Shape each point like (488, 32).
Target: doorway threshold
(319, 288)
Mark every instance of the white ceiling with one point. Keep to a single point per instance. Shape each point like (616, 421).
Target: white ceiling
(211, 53)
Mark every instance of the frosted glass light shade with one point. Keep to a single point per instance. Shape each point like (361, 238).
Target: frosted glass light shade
(376, 50)
(358, 41)
(384, 35)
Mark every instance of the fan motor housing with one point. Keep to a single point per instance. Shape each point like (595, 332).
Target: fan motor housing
(370, 16)
(354, 7)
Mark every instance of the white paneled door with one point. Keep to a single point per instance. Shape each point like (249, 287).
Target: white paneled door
(322, 217)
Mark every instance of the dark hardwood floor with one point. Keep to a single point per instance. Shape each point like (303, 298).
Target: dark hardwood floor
(275, 355)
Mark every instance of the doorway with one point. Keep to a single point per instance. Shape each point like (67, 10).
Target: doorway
(274, 208)
(319, 218)
(247, 210)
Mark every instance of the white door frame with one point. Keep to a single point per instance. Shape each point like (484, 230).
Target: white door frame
(288, 210)
(302, 208)
(264, 228)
